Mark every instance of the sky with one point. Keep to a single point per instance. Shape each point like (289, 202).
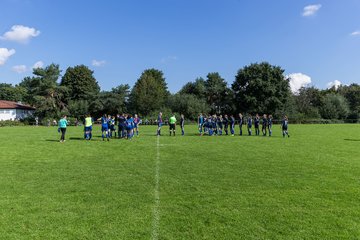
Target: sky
(317, 43)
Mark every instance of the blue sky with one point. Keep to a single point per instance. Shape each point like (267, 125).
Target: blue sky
(317, 41)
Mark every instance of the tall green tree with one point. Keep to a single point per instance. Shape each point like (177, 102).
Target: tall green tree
(12, 93)
(197, 88)
(335, 107)
(217, 93)
(44, 92)
(149, 92)
(261, 87)
(188, 104)
(352, 95)
(308, 101)
(81, 83)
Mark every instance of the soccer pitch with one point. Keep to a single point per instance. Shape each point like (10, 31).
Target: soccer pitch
(184, 187)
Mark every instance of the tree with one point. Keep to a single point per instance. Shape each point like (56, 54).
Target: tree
(352, 95)
(196, 88)
(261, 88)
(335, 107)
(150, 92)
(44, 92)
(308, 102)
(217, 93)
(80, 82)
(10, 93)
(188, 104)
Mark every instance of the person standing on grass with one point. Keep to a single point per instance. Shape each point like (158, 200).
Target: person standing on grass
(112, 126)
(270, 125)
(160, 123)
(137, 122)
(182, 124)
(264, 125)
(284, 126)
(232, 125)
(241, 121)
(249, 124)
(88, 127)
(200, 124)
(62, 128)
(172, 124)
(257, 123)
(226, 124)
(219, 121)
(130, 127)
(121, 126)
(105, 127)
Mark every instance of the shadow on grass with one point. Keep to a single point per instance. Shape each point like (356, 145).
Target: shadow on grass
(52, 140)
(352, 140)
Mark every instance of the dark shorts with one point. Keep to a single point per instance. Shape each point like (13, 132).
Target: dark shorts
(104, 128)
(172, 126)
(88, 129)
(112, 127)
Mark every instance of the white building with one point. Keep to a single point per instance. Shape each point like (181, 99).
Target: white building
(14, 111)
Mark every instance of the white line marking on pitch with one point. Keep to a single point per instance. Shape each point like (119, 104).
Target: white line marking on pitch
(156, 216)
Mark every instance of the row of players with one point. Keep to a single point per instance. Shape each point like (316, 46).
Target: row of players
(128, 125)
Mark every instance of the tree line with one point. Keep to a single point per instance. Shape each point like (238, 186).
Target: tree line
(257, 88)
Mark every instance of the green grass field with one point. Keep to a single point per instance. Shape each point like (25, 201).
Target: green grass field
(303, 187)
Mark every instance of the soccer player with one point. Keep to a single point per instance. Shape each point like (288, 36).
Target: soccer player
(130, 127)
(62, 127)
(232, 125)
(264, 125)
(241, 121)
(160, 122)
(182, 124)
(121, 126)
(257, 123)
(270, 124)
(249, 124)
(137, 122)
(88, 127)
(112, 126)
(200, 124)
(219, 121)
(226, 124)
(209, 126)
(214, 125)
(284, 126)
(172, 124)
(105, 127)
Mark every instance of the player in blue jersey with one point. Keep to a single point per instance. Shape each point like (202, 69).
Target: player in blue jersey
(209, 126)
(182, 124)
(270, 118)
(160, 123)
(232, 125)
(284, 126)
(257, 125)
(249, 124)
(105, 127)
(264, 125)
(200, 124)
(214, 125)
(226, 124)
(241, 121)
(137, 122)
(219, 121)
(130, 127)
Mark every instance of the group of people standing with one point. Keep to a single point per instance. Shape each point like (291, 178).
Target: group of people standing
(128, 125)
(217, 124)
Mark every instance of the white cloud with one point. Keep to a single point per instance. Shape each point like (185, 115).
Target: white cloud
(298, 80)
(38, 64)
(311, 10)
(356, 33)
(20, 33)
(335, 84)
(19, 68)
(169, 59)
(97, 63)
(5, 54)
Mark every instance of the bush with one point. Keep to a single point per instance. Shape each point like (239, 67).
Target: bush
(9, 123)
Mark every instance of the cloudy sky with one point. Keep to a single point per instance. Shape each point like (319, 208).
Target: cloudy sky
(316, 42)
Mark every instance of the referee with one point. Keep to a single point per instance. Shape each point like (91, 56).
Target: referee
(172, 123)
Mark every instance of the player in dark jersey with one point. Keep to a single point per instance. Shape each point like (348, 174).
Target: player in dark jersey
(160, 123)
(241, 121)
(232, 125)
(182, 124)
(249, 124)
(214, 125)
(112, 129)
(121, 126)
(270, 124)
(226, 124)
(257, 125)
(264, 125)
(105, 127)
(284, 126)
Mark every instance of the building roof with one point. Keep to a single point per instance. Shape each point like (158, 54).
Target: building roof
(14, 105)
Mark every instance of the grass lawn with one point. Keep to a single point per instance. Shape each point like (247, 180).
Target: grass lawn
(303, 187)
